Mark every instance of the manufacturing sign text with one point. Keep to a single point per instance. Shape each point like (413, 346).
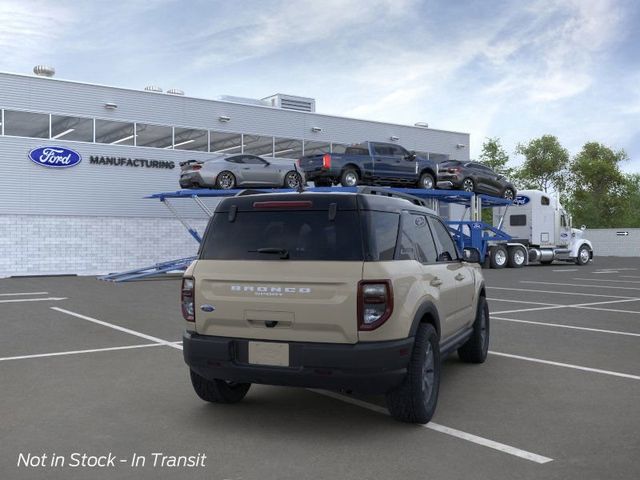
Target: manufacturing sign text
(55, 157)
(130, 162)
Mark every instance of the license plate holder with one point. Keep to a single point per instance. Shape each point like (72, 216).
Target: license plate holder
(274, 354)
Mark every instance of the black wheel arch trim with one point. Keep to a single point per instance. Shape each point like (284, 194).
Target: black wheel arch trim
(427, 308)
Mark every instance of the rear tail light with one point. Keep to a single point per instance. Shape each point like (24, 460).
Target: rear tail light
(326, 161)
(284, 204)
(196, 167)
(375, 303)
(188, 310)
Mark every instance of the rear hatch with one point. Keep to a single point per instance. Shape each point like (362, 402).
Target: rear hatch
(281, 267)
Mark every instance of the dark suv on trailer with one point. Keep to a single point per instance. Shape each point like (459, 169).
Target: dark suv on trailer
(474, 177)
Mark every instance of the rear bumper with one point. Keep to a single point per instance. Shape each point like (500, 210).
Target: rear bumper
(194, 179)
(372, 367)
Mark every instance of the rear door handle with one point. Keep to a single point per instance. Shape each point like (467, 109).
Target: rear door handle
(459, 277)
(436, 282)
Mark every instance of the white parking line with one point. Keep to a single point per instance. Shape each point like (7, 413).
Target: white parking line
(576, 305)
(48, 299)
(526, 290)
(23, 293)
(580, 285)
(533, 457)
(566, 270)
(629, 276)
(601, 279)
(573, 327)
(76, 352)
(521, 301)
(567, 365)
(119, 328)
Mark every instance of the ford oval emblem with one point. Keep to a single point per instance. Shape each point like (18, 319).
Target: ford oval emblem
(55, 157)
(207, 308)
(521, 200)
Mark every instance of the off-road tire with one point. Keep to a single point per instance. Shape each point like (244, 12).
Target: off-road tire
(218, 391)
(221, 182)
(499, 256)
(347, 175)
(515, 260)
(475, 349)
(412, 401)
(427, 179)
(582, 258)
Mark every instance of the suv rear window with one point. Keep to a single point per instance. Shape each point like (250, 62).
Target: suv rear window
(304, 235)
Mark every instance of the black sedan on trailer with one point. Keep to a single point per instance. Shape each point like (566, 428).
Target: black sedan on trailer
(474, 177)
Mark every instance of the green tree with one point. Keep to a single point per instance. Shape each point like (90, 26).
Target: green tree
(545, 164)
(495, 157)
(599, 192)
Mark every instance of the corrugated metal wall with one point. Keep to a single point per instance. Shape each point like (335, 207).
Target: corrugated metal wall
(617, 242)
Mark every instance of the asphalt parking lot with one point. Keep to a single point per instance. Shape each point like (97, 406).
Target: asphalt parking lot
(94, 367)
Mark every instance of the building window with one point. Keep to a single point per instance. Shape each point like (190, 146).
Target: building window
(287, 148)
(316, 148)
(71, 128)
(26, 124)
(227, 143)
(191, 139)
(115, 133)
(257, 145)
(157, 136)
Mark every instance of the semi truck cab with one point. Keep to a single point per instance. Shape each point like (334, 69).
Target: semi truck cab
(538, 222)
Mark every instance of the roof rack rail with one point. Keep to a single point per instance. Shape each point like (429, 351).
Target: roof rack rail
(388, 192)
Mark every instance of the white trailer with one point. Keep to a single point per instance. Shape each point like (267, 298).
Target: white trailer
(541, 231)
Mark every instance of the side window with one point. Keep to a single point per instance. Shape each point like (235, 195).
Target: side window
(416, 242)
(398, 151)
(235, 159)
(382, 150)
(447, 250)
(563, 221)
(545, 201)
(517, 220)
(381, 231)
(253, 160)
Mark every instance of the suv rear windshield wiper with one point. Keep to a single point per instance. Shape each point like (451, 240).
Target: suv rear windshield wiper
(283, 252)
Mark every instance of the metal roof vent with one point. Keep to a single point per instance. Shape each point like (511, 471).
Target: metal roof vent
(153, 88)
(44, 71)
(175, 91)
(291, 102)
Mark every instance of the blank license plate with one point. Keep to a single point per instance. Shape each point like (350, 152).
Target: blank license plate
(269, 353)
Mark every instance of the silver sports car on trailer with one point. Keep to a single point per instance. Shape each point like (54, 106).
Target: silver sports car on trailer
(240, 170)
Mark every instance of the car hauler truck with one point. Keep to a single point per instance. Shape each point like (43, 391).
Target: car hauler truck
(540, 231)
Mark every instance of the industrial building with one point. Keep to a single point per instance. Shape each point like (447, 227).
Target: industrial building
(91, 217)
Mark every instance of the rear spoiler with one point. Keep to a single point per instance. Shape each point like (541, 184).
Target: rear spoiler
(188, 162)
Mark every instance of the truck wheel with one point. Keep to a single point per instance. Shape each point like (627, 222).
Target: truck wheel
(349, 178)
(218, 391)
(498, 256)
(517, 257)
(475, 349)
(426, 181)
(414, 401)
(225, 180)
(584, 255)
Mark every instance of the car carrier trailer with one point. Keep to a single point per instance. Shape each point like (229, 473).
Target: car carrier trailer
(496, 246)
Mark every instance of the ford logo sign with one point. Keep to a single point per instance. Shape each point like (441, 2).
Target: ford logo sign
(207, 308)
(521, 200)
(55, 157)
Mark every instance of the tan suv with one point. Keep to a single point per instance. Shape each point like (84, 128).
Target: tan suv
(362, 292)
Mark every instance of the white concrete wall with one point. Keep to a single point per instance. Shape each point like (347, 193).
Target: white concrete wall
(607, 242)
(46, 245)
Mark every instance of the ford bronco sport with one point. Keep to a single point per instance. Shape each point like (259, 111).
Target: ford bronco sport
(361, 292)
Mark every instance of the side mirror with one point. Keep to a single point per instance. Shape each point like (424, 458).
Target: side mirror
(411, 156)
(583, 228)
(471, 255)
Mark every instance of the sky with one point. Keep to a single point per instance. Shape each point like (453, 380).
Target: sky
(514, 70)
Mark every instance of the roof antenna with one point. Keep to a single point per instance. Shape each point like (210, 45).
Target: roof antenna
(300, 187)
